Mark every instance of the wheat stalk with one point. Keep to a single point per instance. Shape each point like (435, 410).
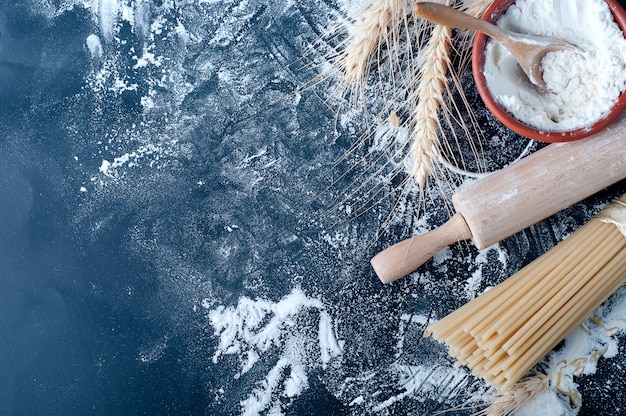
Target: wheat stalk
(385, 36)
(376, 27)
(430, 91)
(508, 402)
(476, 8)
(430, 95)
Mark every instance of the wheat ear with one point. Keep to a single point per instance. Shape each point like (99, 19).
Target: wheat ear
(476, 8)
(510, 401)
(377, 23)
(430, 92)
(430, 95)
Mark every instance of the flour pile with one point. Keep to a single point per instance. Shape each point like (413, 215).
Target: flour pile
(584, 84)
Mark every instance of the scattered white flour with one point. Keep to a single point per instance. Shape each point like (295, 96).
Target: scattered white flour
(130, 159)
(584, 86)
(547, 403)
(107, 11)
(95, 46)
(417, 380)
(256, 327)
(278, 346)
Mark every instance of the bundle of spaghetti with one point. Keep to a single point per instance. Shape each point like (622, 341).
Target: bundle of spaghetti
(504, 332)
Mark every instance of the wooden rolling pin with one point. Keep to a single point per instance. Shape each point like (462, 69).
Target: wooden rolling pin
(516, 197)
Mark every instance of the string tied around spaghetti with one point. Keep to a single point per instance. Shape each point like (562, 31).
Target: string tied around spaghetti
(614, 213)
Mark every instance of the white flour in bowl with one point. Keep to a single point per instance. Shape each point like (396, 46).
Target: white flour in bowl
(584, 86)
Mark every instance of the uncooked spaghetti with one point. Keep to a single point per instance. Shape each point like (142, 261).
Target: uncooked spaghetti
(504, 332)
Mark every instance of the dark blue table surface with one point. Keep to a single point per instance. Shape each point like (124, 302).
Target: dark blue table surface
(173, 234)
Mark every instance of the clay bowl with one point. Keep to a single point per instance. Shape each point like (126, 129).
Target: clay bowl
(498, 8)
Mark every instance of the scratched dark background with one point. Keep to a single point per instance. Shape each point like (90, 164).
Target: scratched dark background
(182, 165)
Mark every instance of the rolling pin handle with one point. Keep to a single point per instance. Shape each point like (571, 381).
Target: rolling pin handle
(406, 256)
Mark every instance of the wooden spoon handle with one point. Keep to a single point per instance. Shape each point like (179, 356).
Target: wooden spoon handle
(451, 17)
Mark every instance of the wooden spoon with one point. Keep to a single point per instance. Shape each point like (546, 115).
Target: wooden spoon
(528, 50)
